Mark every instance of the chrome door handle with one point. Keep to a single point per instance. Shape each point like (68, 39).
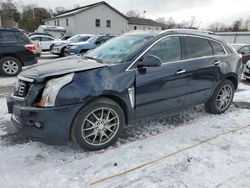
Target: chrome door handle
(180, 71)
(217, 62)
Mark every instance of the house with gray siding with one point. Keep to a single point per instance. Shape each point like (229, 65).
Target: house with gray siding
(99, 18)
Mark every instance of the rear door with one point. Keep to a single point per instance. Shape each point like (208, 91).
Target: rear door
(163, 88)
(202, 68)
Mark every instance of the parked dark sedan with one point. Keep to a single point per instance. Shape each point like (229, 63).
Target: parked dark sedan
(90, 98)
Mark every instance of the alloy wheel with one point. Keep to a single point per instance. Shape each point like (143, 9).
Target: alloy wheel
(224, 97)
(10, 67)
(100, 126)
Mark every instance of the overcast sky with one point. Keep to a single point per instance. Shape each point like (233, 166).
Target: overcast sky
(205, 11)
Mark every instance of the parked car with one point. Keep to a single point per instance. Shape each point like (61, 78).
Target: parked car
(246, 71)
(91, 43)
(58, 47)
(90, 98)
(237, 46)
(45, 41)
(16, 51)
(245, 52)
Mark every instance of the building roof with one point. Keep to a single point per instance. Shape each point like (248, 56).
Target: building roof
(143, 21)
(84, 8)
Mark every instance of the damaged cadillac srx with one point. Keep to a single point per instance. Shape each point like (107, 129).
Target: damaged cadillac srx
(90, 98)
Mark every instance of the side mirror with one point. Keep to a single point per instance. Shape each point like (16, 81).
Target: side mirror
(150, 61)
(242, 53)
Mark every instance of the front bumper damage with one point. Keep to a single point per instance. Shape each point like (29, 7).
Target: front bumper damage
(48, 125)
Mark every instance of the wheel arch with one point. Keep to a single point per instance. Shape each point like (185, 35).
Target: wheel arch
(11, 55)
(233, 79)
(114, 98)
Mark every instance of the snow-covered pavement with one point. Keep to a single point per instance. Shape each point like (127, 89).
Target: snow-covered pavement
(223, 161)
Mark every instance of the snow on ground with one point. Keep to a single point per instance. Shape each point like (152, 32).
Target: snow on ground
(221, 162)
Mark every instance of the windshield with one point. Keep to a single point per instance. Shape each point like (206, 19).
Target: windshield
(76, 38)
(118, 49)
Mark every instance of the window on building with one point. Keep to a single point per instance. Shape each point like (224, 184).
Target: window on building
(54, 22)
(149, 28)
(135, 27)
(198, 47)
(67, 22)
(58, 23)
(157, 28)
(168, 49)
(144, 28)
(97, 22)
(108, 23)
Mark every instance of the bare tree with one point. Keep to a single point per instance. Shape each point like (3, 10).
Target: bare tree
(9, 12)
(133, 14)
(59, 10)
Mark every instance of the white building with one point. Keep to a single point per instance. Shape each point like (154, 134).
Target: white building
(143, 24)
(98, 18)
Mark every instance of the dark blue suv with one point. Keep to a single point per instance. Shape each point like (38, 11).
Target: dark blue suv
(16, 51)
(90, 98)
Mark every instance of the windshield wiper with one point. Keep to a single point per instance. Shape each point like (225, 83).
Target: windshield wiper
(93, 58)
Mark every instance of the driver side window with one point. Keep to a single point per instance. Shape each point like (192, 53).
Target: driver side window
(168, 49)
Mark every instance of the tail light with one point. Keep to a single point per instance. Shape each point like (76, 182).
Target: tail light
(30, 47)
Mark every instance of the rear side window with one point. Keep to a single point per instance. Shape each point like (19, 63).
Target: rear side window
(46, 39)
(22, 38)
(36, 39)
(198, 47)
(218, 50)
(7, 37)
(168, 49)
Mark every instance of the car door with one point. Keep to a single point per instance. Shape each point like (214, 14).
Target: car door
(245, 51)
(163, 88)
(202, 68)
(46, 42)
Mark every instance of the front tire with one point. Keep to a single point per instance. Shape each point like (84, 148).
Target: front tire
(10, 66)
(222, 98)
(98, 124)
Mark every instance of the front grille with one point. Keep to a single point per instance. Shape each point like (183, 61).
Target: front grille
(21, 88)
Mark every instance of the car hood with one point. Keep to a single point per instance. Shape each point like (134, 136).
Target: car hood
(59, 67)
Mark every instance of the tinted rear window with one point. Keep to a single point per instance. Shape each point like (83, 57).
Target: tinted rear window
(7, 37)
(218, 50)
(22, 38)
(198, 47)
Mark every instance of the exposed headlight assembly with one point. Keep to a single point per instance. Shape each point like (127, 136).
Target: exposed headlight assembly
(52, 89)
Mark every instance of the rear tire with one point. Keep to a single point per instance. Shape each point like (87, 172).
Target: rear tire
(10, 66)
(98, 124)
(222, 98)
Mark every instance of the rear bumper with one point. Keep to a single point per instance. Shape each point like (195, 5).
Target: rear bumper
(48, 125)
